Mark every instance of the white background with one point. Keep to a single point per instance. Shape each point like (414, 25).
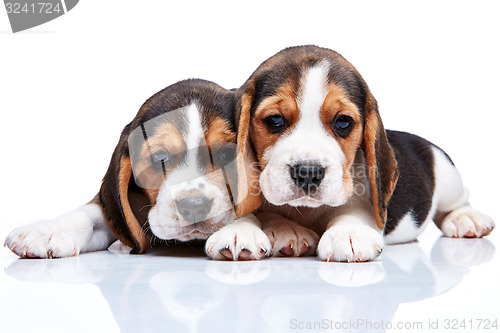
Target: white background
(68, 87)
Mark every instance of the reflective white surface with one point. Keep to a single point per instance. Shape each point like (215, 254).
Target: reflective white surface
(177, 289)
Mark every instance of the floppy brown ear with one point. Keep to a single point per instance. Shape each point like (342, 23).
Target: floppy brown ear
(249, 196)
(381, 162)
(115, 198)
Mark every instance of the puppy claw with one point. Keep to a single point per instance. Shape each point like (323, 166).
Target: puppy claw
(305, 248)
(226, 253)
(287, 251)
(31, 255)
(470, 233)
(244, 254)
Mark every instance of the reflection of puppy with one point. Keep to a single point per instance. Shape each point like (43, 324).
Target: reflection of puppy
(327, 163)
(268, 296)
(180, 149)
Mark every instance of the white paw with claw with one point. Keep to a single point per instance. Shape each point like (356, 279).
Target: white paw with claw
(351, 242)
(290, 239)
(466, 222)
(61, 237)
(240, 240)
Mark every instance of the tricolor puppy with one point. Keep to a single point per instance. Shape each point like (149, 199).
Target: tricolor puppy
(171, 176)
(327, 165)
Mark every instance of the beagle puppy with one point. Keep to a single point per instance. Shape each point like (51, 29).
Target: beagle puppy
(172, 176)
(326, 166)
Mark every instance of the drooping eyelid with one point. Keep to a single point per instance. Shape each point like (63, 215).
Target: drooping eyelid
(341, 114)
(272, 113)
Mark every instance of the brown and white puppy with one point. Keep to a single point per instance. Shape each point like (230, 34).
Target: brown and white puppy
(171, 176)
(326, 163)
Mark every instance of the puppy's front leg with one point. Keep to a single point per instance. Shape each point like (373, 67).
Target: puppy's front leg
(352, 235)
(81, 230)
(240, 240)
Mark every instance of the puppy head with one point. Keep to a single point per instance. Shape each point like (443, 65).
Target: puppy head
(174, 167)
(308, 112)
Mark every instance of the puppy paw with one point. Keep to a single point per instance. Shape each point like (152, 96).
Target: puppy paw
(290, 239)
(351, 243)
(466, 222)
(240, 240)
(47, 239)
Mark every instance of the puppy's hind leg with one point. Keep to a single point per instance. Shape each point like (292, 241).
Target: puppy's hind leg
(81, 230)
(454, 215)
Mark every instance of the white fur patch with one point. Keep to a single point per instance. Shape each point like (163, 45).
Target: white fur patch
(449, 191)
(406, 230)
(313, 91)
(195, 136)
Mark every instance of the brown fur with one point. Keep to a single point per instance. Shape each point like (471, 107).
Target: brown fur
(123, 184)
(380, 160)
(282, 104)
(249, 197)
(220, 131)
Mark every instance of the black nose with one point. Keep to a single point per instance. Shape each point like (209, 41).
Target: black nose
(307, 176)
(194, 209)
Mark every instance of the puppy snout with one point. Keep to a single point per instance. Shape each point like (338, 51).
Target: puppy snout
(194, 209)
(307, 176)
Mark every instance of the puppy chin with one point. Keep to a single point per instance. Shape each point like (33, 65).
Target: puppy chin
(332, 200)
(181, 233)
(192, 236)
(305, 201)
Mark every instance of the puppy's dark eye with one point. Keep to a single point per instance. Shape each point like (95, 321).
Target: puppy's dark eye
(275, 124)
(161, 157)
(343, 125)
(225, 155)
